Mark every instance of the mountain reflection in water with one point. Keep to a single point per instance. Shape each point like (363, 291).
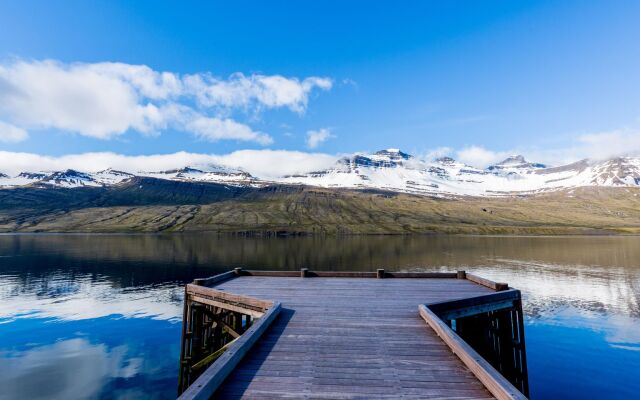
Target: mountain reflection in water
(86, 316)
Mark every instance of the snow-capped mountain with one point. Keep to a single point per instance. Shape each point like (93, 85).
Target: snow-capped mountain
(210, 173)
(69, 178)
(389, 169)
(394, 170)
(515, 164)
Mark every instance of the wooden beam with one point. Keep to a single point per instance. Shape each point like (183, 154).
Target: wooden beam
(212, 357)
(380, 273)
(281, 274)
(421, 275)
(209, 313)
(227, 306)
(497, 384)
(205, 386)
(475, 310)
(491, 299)
(214, 279)
(222, 296)
(341, 274)
(497, 286)
(183, 340)
(229, 329)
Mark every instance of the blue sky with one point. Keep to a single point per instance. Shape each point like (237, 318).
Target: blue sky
(553, 80)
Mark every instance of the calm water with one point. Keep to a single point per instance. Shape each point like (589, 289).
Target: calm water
(99, 316)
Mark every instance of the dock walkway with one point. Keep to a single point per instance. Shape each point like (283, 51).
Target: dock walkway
(350, 338)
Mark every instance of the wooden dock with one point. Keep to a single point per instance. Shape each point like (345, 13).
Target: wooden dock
(322, 335)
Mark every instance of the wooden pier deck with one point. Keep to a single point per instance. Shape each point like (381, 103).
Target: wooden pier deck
(348, 338)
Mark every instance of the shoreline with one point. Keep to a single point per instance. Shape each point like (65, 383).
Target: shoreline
(303, 235)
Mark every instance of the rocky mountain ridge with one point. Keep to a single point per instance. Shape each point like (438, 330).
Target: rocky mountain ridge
(389, 169)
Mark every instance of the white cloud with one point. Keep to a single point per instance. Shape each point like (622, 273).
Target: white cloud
(262, 163)
(438, 152)
(261, 90)
(275, 163)
(594, 146)
(480, 157)
(315, 138)
(213, 129)
(104, 100)
(11, 134)
(183, 118)
(149, 83)
(607, 144)
(71, 98)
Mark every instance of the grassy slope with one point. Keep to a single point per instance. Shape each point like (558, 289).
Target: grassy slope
(321, 211)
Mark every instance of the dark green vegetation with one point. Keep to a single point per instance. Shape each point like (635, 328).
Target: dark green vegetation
(153, 205)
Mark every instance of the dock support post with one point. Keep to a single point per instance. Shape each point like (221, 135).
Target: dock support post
(303, 272)
(462, 275)
(380, 273)
(182, 382)
(238, 271)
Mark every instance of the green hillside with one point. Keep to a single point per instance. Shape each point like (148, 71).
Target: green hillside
(150, 205)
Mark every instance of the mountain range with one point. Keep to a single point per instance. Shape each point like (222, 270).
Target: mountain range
(391, 170)
(387, 192)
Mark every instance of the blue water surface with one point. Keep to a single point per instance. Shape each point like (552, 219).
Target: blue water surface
(91, 316)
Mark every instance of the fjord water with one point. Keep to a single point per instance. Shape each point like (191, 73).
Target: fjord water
(98, 316)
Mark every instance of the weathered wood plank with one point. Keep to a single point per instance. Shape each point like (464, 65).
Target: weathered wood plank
(215, 279)
(282, 274)
(474, 305)
(421, 275)
(226, 305)
(227, 297)
(486, 282)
